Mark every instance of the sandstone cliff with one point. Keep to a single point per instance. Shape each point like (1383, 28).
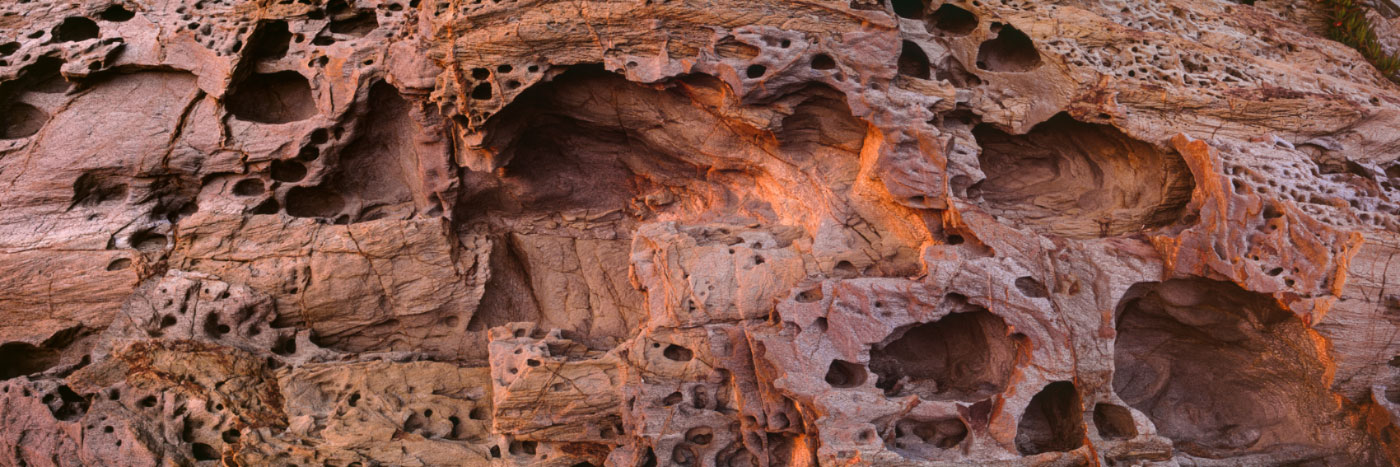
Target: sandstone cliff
(682, 232)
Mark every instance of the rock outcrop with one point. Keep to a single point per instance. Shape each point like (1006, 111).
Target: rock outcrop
(673, 232)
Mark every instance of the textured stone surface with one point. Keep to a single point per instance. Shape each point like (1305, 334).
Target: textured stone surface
(633, 233)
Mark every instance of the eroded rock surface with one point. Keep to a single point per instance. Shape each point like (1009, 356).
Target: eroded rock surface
(760, 233)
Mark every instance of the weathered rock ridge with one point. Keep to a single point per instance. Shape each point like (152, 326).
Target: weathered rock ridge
(672, 232)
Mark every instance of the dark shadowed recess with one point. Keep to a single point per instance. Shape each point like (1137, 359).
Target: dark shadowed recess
(1079, 180)
(963, 356)
(1226, 372)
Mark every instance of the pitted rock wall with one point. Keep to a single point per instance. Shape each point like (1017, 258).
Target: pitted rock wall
(672, 232)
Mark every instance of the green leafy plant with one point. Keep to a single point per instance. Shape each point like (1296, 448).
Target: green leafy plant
(1350, 26)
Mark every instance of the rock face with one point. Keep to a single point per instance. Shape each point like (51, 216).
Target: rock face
(673, 232)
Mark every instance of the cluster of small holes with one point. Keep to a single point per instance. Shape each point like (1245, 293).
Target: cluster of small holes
(1147, 58)
(487, 87)
(293, 182)
(1338, 199)
(212, 25)
(344, 23)
(756, 58)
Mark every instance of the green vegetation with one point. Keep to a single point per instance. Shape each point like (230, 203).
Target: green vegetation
(1350, 26)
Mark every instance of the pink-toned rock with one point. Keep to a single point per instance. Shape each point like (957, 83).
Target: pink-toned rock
(761, 233)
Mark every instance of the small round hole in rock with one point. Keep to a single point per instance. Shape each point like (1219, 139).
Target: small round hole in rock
(270, 41)
(523, 447)
(1011, 51)
(116, 14)
(843, 374)
(288, 171)
(74, 29)
(21, 120)
(119, 264)
(212, 328)
(249, 187)
(204, 452)
(1054, 421)
(700, 435)
(147, 241)
(755, 71)
(230, 435)
(823, 62)
(943, 434)
(314, 202)
(308, 154)
(268, 206)
(20, 359)
(355, 24)
(1031, 288)
(912, 9)
(482, 92)
(677, 353)
(280, 97)
(913, 62)
(1114, 421)
(285, 346)
(683, 455)
(953, 20)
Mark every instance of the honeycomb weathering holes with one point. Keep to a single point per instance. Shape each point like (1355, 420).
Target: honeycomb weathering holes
(1080, 180)
(280, 97)
(1267, 381)
(962, 356)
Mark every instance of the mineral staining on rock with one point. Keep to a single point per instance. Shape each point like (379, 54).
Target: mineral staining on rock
(769, 233)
